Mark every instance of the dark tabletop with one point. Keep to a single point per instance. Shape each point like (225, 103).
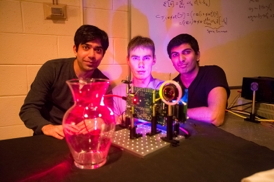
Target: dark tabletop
(209, 154)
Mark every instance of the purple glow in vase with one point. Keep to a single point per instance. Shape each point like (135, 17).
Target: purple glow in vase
(89, 124)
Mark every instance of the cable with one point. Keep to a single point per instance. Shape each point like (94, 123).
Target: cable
(234, 100)
(236, 114)
(246, 108)
(266, 120)
(240, 111)
(258, 119)
(112, 95)
(245, 113)
(240, 105)
(185, 131)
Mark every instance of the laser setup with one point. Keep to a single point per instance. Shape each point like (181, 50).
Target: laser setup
(152, 118)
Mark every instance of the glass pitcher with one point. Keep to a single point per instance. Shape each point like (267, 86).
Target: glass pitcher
(89, 124)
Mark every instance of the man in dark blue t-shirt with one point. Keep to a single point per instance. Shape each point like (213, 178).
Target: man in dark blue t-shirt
(207, 86)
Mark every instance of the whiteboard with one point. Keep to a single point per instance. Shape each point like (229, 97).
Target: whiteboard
(237, 35)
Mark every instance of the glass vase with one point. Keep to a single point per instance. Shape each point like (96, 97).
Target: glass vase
(89, 124)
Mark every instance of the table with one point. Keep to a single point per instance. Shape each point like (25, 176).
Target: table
(262, 134)
(209, 154)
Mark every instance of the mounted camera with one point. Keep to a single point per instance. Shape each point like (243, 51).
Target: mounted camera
(170, 92)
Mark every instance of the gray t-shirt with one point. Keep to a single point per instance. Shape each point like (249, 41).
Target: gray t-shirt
(119, 105)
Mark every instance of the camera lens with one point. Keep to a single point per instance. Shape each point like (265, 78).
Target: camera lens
(170, 92)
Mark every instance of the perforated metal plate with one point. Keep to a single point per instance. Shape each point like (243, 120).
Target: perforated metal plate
(144, 145)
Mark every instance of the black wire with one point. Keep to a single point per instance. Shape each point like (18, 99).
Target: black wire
(234, 100)
(240, 105)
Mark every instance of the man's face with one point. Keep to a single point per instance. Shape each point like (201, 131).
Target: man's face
(89, 55)
(140, 61)
(184, 59)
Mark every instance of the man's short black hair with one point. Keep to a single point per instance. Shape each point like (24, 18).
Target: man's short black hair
(87, 33)
(183, 39)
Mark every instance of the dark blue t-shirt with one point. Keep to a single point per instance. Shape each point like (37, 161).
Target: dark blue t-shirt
(207, 78)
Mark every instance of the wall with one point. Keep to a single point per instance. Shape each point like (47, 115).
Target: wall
(27, 40)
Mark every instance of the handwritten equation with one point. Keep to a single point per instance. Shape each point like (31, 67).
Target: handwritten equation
(185, 3)
(259, 10)
(210, 19)
(201, 12)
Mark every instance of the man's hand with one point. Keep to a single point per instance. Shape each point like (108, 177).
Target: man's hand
(86, 126)
(55, 131)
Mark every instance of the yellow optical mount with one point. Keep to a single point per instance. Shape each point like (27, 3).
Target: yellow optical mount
(170, 92)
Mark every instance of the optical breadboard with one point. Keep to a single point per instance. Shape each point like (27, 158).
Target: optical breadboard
(144, 145)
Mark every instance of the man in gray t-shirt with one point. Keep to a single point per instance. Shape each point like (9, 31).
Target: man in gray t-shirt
(140, 58)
